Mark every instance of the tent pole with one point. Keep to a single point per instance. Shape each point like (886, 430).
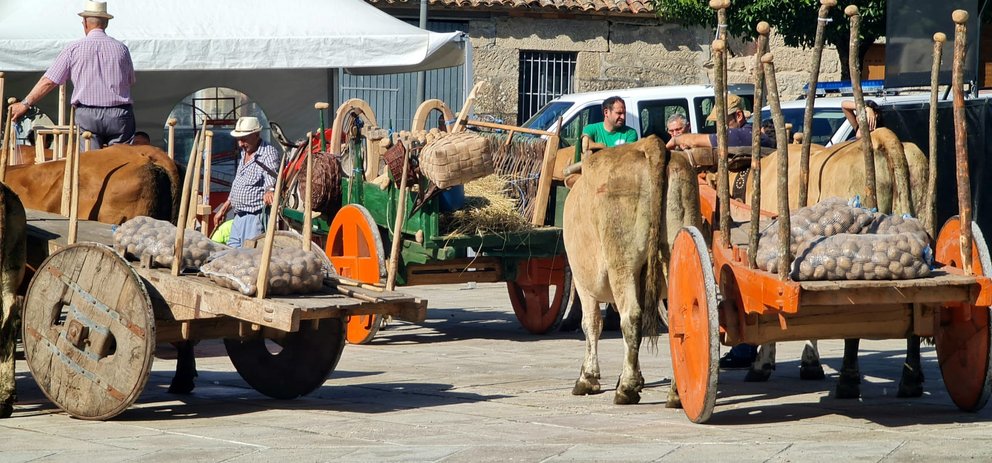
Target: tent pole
(422, 75)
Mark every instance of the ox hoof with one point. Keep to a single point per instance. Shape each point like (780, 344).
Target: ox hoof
(7, 408)
(911, 384)
(848, 386)
(181, 386)
(758, 376)
(586, 387)
(673, 401)
(626, 397)
(811, 372)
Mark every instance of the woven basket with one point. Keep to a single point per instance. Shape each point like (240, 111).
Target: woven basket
(456, 159)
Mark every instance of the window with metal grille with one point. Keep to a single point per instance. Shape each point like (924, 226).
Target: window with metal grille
(544, 76)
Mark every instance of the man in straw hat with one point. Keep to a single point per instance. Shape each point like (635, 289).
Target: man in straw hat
(254, 183)
(102, 74)
(738, 129)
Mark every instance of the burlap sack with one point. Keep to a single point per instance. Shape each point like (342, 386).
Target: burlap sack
(456, 159)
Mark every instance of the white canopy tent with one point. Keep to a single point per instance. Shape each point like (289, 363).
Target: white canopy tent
(282, 55)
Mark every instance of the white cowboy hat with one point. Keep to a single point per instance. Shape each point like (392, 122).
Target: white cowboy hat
(96, 10)
(246, 125)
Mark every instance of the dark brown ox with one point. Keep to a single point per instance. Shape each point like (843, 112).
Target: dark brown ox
(619, 220)
(116, 183)
(13, 253)
(839, 171)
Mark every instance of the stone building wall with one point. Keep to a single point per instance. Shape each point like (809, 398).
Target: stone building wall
(620, 53)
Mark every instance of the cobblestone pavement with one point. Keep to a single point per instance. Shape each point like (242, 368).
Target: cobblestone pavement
(470, 385)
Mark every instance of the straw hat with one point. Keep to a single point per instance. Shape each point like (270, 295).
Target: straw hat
(246, 125)
(734, 103)
(96, 10)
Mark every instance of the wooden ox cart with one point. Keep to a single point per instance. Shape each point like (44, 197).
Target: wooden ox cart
(92, 319)
(532, 262)
(718, 296)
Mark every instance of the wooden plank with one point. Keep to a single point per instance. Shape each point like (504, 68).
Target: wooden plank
(879, 321)
(937, 288)
(211, 328)
(544, 181)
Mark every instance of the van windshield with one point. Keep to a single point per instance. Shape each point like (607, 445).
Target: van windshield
(826, 121)
(548, 115)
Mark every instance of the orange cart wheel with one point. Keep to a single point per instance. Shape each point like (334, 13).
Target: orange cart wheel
(355, 248)
(693, 325)
(962, 333)
(541, 293)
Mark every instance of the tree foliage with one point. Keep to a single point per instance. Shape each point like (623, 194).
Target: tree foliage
(794, 20)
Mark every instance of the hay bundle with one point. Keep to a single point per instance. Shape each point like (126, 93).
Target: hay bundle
(518, 161)
(489, 208)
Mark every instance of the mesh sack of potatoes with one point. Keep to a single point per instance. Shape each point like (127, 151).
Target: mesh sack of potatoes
(143, 236)
(829, 217)
(291, 270)
(456, 159)
(892, 256)
(889, 224)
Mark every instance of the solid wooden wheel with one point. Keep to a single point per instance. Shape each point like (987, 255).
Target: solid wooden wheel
(541, 293)
(89, 331)
(693, 324)
(355, 248)
(962, 332)
(291, 365)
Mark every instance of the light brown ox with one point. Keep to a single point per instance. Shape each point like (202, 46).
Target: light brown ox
(619, 220)
(13, 253)
(839, 171)
(116, 183)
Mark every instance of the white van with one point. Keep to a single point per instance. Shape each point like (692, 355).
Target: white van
(648, 109)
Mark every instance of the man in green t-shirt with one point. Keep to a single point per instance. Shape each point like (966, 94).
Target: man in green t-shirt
(612, 131)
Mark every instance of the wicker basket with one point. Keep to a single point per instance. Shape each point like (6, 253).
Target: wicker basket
(456, 159)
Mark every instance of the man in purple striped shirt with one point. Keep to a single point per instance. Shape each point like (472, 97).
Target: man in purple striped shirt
(102, 73)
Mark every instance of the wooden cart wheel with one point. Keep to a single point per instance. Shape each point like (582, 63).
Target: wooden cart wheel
(355, 248)
(291, 365)
(89, 331)
(693, 324)
(541, 293)
(962, 334)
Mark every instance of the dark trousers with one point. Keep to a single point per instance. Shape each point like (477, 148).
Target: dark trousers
(109, 125)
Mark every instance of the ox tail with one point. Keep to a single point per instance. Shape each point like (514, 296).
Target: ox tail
(653, 282)
(164, 199)
(889, 144)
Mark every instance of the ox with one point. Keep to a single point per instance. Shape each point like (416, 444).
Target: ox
(13, 254)
(116, 183)
(838, 171)
(619, 220)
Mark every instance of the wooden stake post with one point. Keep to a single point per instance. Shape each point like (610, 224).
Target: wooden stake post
(814, 77)
(722, 173)
(871, 198)
(8, 128)
(67, 172)
(929, 213)
(177, 257)
(262, 284)
(308, 199)
(74, 186)
(172, 138)
(759, 82)
(194, 194)
(204, 210)
(960, 18)
(781, 142)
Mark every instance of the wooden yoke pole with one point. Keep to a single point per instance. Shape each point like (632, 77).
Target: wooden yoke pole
(74, 203)
(177, 256)
(466, 108)
(814, 77)
(781, 142)
(262, 284)
(308, 199)
(172, 137)
(960, 17)
(871, 198)
(67, 171)
(722, 173)
(60, 139)
(194, 194)
(759, 82)
(394, 253)
(929, 213)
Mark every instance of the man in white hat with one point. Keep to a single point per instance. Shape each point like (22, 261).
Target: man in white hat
(254, 183)
(102, 74)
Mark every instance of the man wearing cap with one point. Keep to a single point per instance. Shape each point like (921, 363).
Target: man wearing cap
(738, 129)
(102, 74)
(254, 183)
